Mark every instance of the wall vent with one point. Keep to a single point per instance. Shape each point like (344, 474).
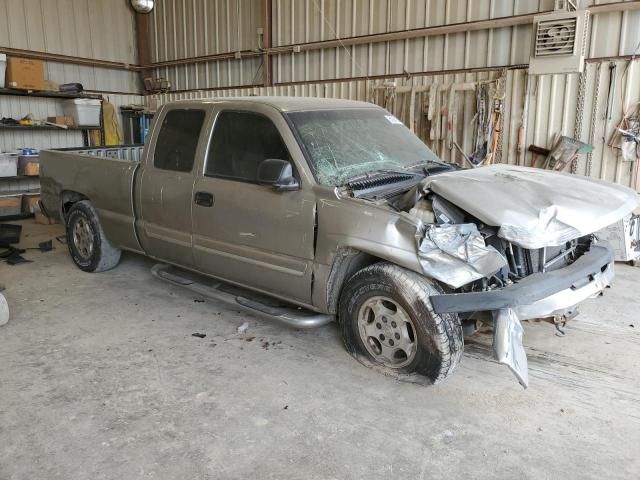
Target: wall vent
(559, 43)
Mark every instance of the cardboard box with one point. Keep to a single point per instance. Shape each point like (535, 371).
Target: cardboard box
(61, 120)
(42, 219)
(30, 203)
(29, 165)
(51, 86)
(25, 74)
(31, 170)
(10, 205)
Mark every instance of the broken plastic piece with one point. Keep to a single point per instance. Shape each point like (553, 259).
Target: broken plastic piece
(45, 246)
(507, 344)
(243, 328)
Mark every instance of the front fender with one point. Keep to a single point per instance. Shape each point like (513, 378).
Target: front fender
(351, 235)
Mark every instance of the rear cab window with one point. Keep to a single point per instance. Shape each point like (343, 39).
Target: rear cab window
(178, 140)
(240, 142)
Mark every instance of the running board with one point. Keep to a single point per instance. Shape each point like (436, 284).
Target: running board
(262, 305)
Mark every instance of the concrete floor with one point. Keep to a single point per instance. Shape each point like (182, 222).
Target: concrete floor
(101, 378)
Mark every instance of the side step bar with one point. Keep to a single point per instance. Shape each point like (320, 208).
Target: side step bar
(256, 303)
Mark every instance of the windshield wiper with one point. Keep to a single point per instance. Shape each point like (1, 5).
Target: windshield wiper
(399, 174)
(426, 162)
(382, 183)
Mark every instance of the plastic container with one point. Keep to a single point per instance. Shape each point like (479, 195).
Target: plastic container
(85, 111)
(3, 68)
(8, 165)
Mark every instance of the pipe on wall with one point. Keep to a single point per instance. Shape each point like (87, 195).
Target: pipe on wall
(59, 58)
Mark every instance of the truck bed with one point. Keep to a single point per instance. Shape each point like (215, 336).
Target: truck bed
(103, 175)
(122, 152)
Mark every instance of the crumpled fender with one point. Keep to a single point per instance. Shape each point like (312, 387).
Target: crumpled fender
(457, 254)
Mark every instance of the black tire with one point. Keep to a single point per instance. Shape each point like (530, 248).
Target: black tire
(101, 255)
(438, 338)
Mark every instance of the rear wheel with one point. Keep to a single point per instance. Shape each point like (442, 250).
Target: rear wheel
(88, 246)
(387, 321)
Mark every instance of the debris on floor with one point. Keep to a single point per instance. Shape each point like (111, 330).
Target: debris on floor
(13, 256)
(199, 335)
(243, 328)
(9, 234)
(46, 246)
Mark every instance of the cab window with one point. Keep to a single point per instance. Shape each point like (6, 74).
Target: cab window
(241, 140)
(178, 140)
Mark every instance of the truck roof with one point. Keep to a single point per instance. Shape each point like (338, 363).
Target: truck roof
(288, 104)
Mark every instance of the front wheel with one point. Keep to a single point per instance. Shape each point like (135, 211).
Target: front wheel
(88, 246)
(387, 320)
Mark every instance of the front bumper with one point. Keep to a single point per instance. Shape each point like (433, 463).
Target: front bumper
(539, 295)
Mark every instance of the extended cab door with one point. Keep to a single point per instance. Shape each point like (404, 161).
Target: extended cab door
(252, 234)
(166, 183)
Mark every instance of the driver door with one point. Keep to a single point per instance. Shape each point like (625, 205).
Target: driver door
(246, 232)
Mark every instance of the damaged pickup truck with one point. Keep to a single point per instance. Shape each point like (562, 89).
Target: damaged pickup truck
(309, 210)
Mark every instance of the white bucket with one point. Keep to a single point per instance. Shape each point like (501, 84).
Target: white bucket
(8, 165)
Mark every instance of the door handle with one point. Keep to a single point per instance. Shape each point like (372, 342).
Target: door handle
(204, 199)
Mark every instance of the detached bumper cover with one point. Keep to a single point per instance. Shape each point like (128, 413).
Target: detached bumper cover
(538, 295)
(593, 266)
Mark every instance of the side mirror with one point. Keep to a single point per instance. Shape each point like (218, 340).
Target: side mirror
(277, 173)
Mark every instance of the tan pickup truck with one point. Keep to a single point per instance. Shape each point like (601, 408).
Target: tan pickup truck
(309, 210)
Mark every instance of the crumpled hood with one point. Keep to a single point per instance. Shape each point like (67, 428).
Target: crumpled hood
(534, 208)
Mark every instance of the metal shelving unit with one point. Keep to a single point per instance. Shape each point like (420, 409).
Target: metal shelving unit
(57, 95)
(6, 182)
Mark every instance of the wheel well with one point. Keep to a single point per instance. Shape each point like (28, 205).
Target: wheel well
(346, 263)
(68, 198)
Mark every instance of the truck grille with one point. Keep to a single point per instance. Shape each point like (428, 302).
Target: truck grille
(523, 262)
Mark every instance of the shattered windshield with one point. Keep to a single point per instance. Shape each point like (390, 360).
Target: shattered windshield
(344, 144)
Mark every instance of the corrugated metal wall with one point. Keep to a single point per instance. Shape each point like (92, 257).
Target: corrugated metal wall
(183, 28)
(191, 28)
(97, 29)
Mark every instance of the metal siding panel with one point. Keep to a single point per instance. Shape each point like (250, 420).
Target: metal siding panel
(34, 24)
(608, 35)
(552, 101)
(4, 24)
(16, 24)
(101, 29)
(312, 20)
